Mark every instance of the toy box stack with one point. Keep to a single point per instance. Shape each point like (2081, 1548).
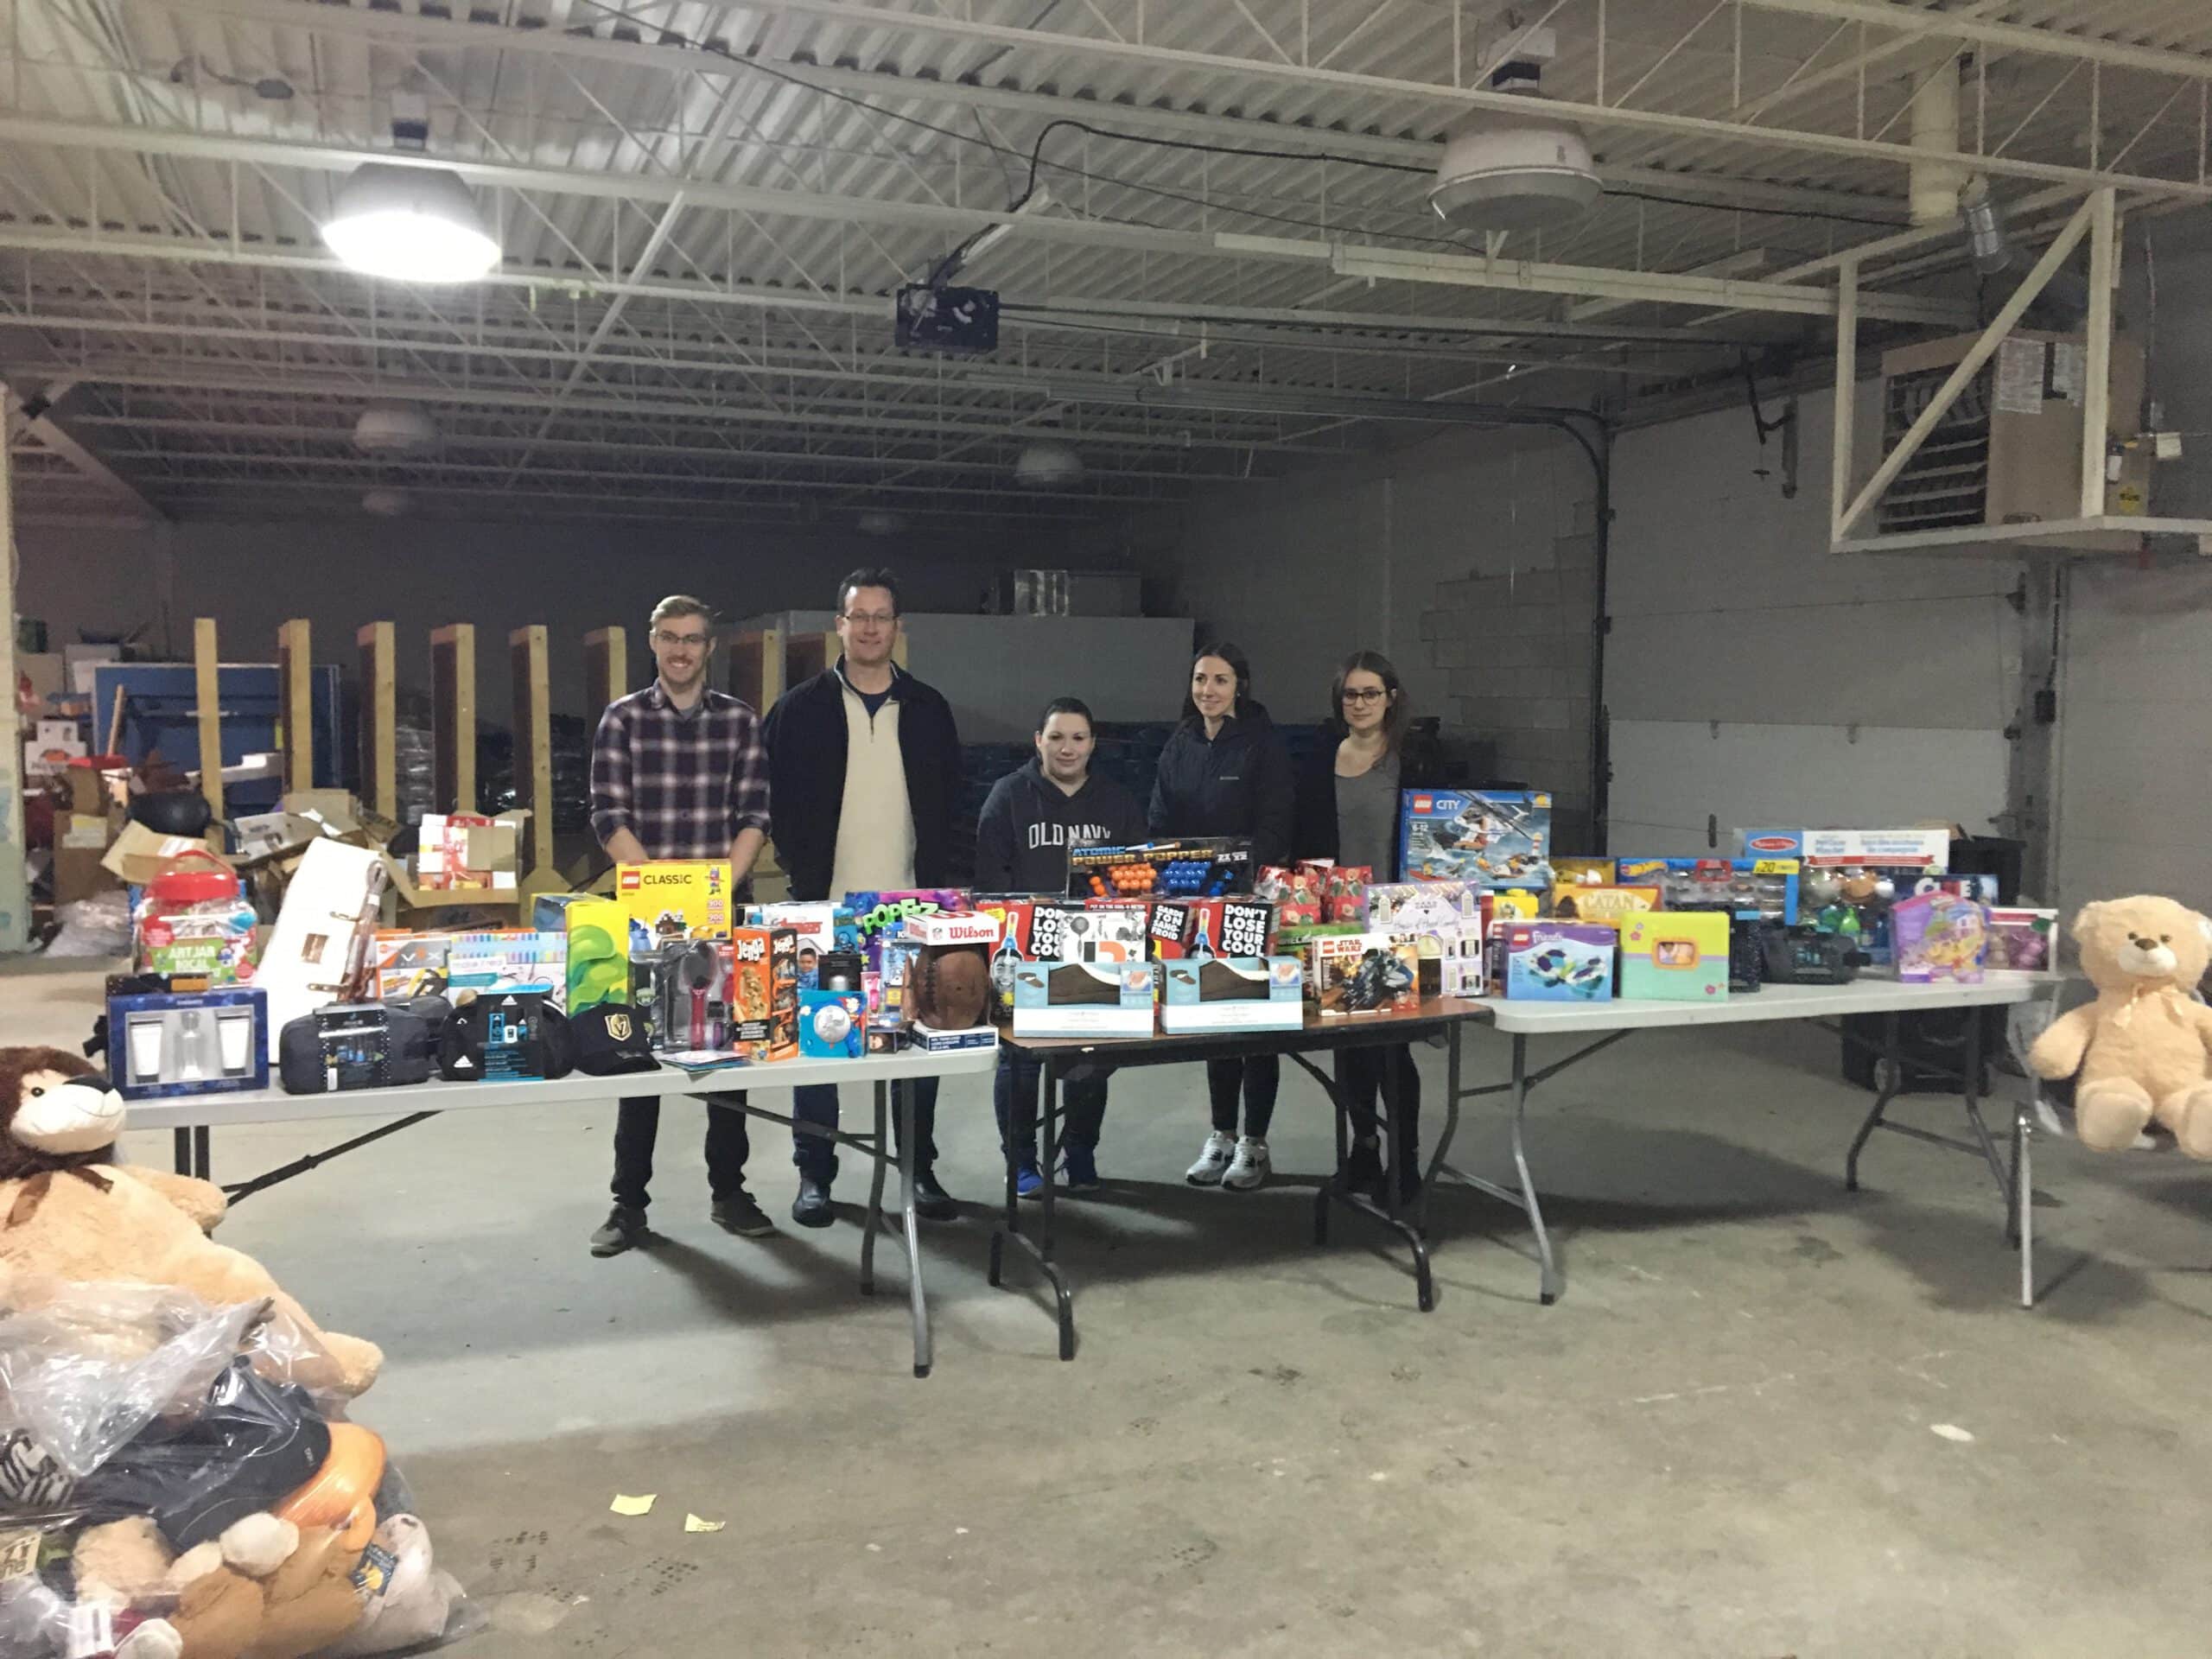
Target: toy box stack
(1848, 878)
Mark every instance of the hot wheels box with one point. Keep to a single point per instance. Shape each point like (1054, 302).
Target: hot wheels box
(1676, 956)
(1494, 839)
(677, 899)
(1233, 993)
(1558, 961)
(1084, 998)
(1756, 889)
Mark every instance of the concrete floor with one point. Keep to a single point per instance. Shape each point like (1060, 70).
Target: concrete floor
(1743, 1431)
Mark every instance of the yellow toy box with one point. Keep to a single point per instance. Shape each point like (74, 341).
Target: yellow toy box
(676, 899)
(1676, 956)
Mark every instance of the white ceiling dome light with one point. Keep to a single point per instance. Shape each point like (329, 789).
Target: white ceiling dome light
(1048, 464)
(385, 502)
(877, 521)
(1511, 170)
(394, 428)
(409, 225)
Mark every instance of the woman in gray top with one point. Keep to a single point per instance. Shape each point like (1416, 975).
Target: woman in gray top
(1348, 797)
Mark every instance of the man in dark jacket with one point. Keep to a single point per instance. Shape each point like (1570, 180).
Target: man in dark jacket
(863, 762)
(1031, 819)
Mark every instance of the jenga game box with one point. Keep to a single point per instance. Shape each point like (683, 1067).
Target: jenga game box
(764, 992)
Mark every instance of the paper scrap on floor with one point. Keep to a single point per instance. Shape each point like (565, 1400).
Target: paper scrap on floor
(692, 1524)
(625, 1505)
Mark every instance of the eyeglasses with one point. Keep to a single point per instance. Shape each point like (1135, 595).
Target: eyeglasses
(1369, 694)
(686, 641)
(871, 619)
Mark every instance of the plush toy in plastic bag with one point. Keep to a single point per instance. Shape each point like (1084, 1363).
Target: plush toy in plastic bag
(169, 1491)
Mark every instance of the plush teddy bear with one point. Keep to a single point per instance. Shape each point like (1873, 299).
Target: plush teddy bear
(2142, 1052)
(266, 1589)
(68, 1212)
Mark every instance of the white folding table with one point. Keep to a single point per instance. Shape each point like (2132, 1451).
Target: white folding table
(1824, 1004)
(193, 1118)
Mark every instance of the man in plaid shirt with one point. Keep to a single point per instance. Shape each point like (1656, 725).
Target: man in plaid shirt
(678, 771)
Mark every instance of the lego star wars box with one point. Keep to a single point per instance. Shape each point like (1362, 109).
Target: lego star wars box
(1352, 974)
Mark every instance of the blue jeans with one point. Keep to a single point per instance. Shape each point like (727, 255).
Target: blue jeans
(817, 1104)
(1014, 1096)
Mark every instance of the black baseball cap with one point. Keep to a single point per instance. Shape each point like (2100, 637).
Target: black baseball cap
(609, 1038)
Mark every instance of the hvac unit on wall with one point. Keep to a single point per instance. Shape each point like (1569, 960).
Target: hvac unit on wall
(2009, 451)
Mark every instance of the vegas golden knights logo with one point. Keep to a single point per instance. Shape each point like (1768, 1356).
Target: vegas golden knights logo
(618, 1026)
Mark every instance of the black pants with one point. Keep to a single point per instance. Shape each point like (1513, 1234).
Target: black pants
(1257, 1077)
(637, 1124)
(816, 1102)
(1015, 1097)
(1363, 1074)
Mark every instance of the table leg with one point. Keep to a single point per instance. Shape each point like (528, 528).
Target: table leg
(904, 1094)
(1040, 1248)
(1424, 1285)
(1892, 1077)
(1340, 1182)
(181, 1145)
(203, 1159)
(874, 1219)
(1970, 1086)
(1548, 1283)
(2023, 1135)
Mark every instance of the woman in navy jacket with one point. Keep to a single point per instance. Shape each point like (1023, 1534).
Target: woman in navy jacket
(1348, 795)
(1226, 773)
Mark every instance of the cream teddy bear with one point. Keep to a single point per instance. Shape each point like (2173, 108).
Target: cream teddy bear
(2142, 1052)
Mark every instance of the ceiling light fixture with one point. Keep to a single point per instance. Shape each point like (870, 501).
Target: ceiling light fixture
(1503, 170)
(387, 502)
(409, 225)
(1047, 464)
(394, 428)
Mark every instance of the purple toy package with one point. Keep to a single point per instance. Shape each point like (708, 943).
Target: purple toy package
(1939, 937)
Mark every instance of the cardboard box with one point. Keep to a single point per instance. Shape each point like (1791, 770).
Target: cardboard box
(676, 899)
(265, 836)
(1493, 839)
(1764, 888)
(1348, 975)
(1605, 905)
(79, 874)
(1676, 956)
(1938, 938)
(1233, 993)
(82, 832)
(139, 855)
(188, 1043)
(931, 1040)
(405, 964)
(1179, 929)
(48, 751)
(832, 1026)
(1207, 868)
(970, 928)
(2021, 941)
(599, 952)
(1084, 999)
(1074, 932)
(96, 782)
(1558, 961)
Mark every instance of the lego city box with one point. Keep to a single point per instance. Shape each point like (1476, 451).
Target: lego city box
(1084, 999)
(1233, 993)
(674, 900)
(1676, 956)
(1492, 838)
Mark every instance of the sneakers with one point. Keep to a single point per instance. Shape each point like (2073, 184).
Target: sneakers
(1213, 1161)
(1249, 1167)
(1027, 1183)
(738, 1214)
(1080, 1166)
(623, 1228)
(812, 1207)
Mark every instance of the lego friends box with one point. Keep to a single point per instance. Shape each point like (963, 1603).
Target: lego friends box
(1489, 839)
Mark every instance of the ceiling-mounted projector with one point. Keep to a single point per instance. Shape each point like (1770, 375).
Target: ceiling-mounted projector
(1516, 169)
